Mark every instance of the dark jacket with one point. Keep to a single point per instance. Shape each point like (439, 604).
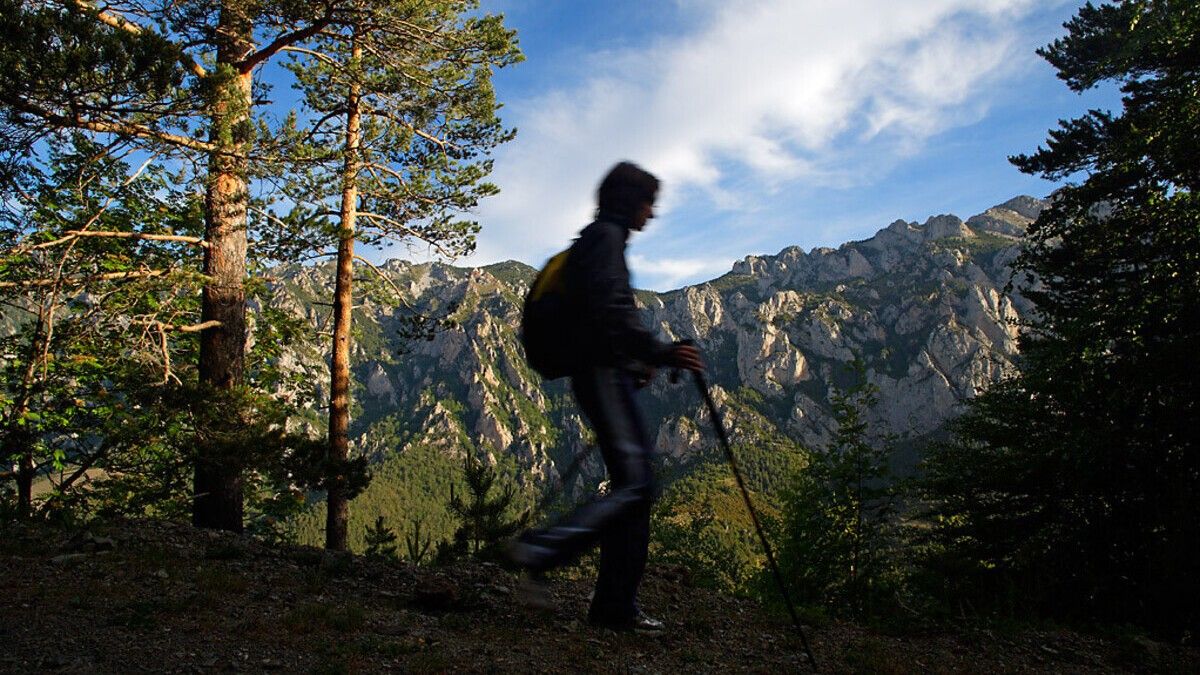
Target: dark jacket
(610, 326)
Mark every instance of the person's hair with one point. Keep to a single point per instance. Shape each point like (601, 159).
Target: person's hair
(626, 187)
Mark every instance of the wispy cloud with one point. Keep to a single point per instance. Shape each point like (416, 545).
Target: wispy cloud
(765, 93)
(672, 272)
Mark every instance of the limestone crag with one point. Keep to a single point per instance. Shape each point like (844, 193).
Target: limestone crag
(921, 305)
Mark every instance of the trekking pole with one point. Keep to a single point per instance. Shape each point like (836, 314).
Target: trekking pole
(702, 385)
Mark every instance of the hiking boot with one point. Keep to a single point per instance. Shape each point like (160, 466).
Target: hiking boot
(640, 623)
(647, 625)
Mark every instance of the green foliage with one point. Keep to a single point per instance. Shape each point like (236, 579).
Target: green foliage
(702, 525)
(380, 539)
(91, 343)
(485, 520)
(840, 538)
(49, 51)
(428, 122)
(1073, 487)
(416, 546)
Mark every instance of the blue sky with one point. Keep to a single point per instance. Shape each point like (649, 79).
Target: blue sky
(772, 123)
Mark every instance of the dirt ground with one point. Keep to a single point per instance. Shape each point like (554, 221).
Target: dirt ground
(167, 598)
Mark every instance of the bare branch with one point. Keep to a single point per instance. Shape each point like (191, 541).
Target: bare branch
(194, 328)
(110, 276)
(286, 40)
(315, 54)
(79, 122)
(198, 241)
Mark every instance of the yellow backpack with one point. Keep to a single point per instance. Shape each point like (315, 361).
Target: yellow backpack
(548, 320)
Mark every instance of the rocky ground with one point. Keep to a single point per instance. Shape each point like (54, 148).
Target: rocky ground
(161, 597)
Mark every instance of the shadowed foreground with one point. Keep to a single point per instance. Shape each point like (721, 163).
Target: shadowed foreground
(159, 597)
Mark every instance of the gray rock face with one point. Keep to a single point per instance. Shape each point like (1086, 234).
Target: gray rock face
(921, 305)
(378, 384)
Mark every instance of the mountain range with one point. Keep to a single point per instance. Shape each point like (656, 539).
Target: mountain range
(922, 306)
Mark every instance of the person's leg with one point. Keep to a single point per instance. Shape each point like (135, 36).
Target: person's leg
(605, 396)
(622, 560)
(624, 543)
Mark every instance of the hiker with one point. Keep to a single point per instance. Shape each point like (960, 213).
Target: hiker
(613, 353)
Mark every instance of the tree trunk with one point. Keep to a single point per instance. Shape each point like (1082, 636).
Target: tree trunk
(18, 441)
(339, 404)
(218, 479)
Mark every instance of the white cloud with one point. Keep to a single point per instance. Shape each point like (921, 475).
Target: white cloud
(672, 272)
(771, 90)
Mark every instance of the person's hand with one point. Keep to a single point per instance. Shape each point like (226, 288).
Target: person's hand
(685, 357)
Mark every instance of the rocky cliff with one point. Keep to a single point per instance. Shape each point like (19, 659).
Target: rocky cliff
(921, 304)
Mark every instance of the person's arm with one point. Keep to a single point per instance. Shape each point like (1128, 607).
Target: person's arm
(609, 295)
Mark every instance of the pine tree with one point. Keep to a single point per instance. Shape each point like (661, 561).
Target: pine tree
(405, 89)
(485, 519)
(381, 539)
(839, 517)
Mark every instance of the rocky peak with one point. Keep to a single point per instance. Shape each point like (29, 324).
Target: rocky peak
(920, 304)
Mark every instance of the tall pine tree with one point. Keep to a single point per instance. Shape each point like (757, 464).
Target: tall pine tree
(404, 117)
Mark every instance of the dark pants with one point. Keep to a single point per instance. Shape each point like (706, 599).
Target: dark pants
(620, 520)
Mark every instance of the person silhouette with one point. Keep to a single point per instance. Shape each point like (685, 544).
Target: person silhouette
(616, 354)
